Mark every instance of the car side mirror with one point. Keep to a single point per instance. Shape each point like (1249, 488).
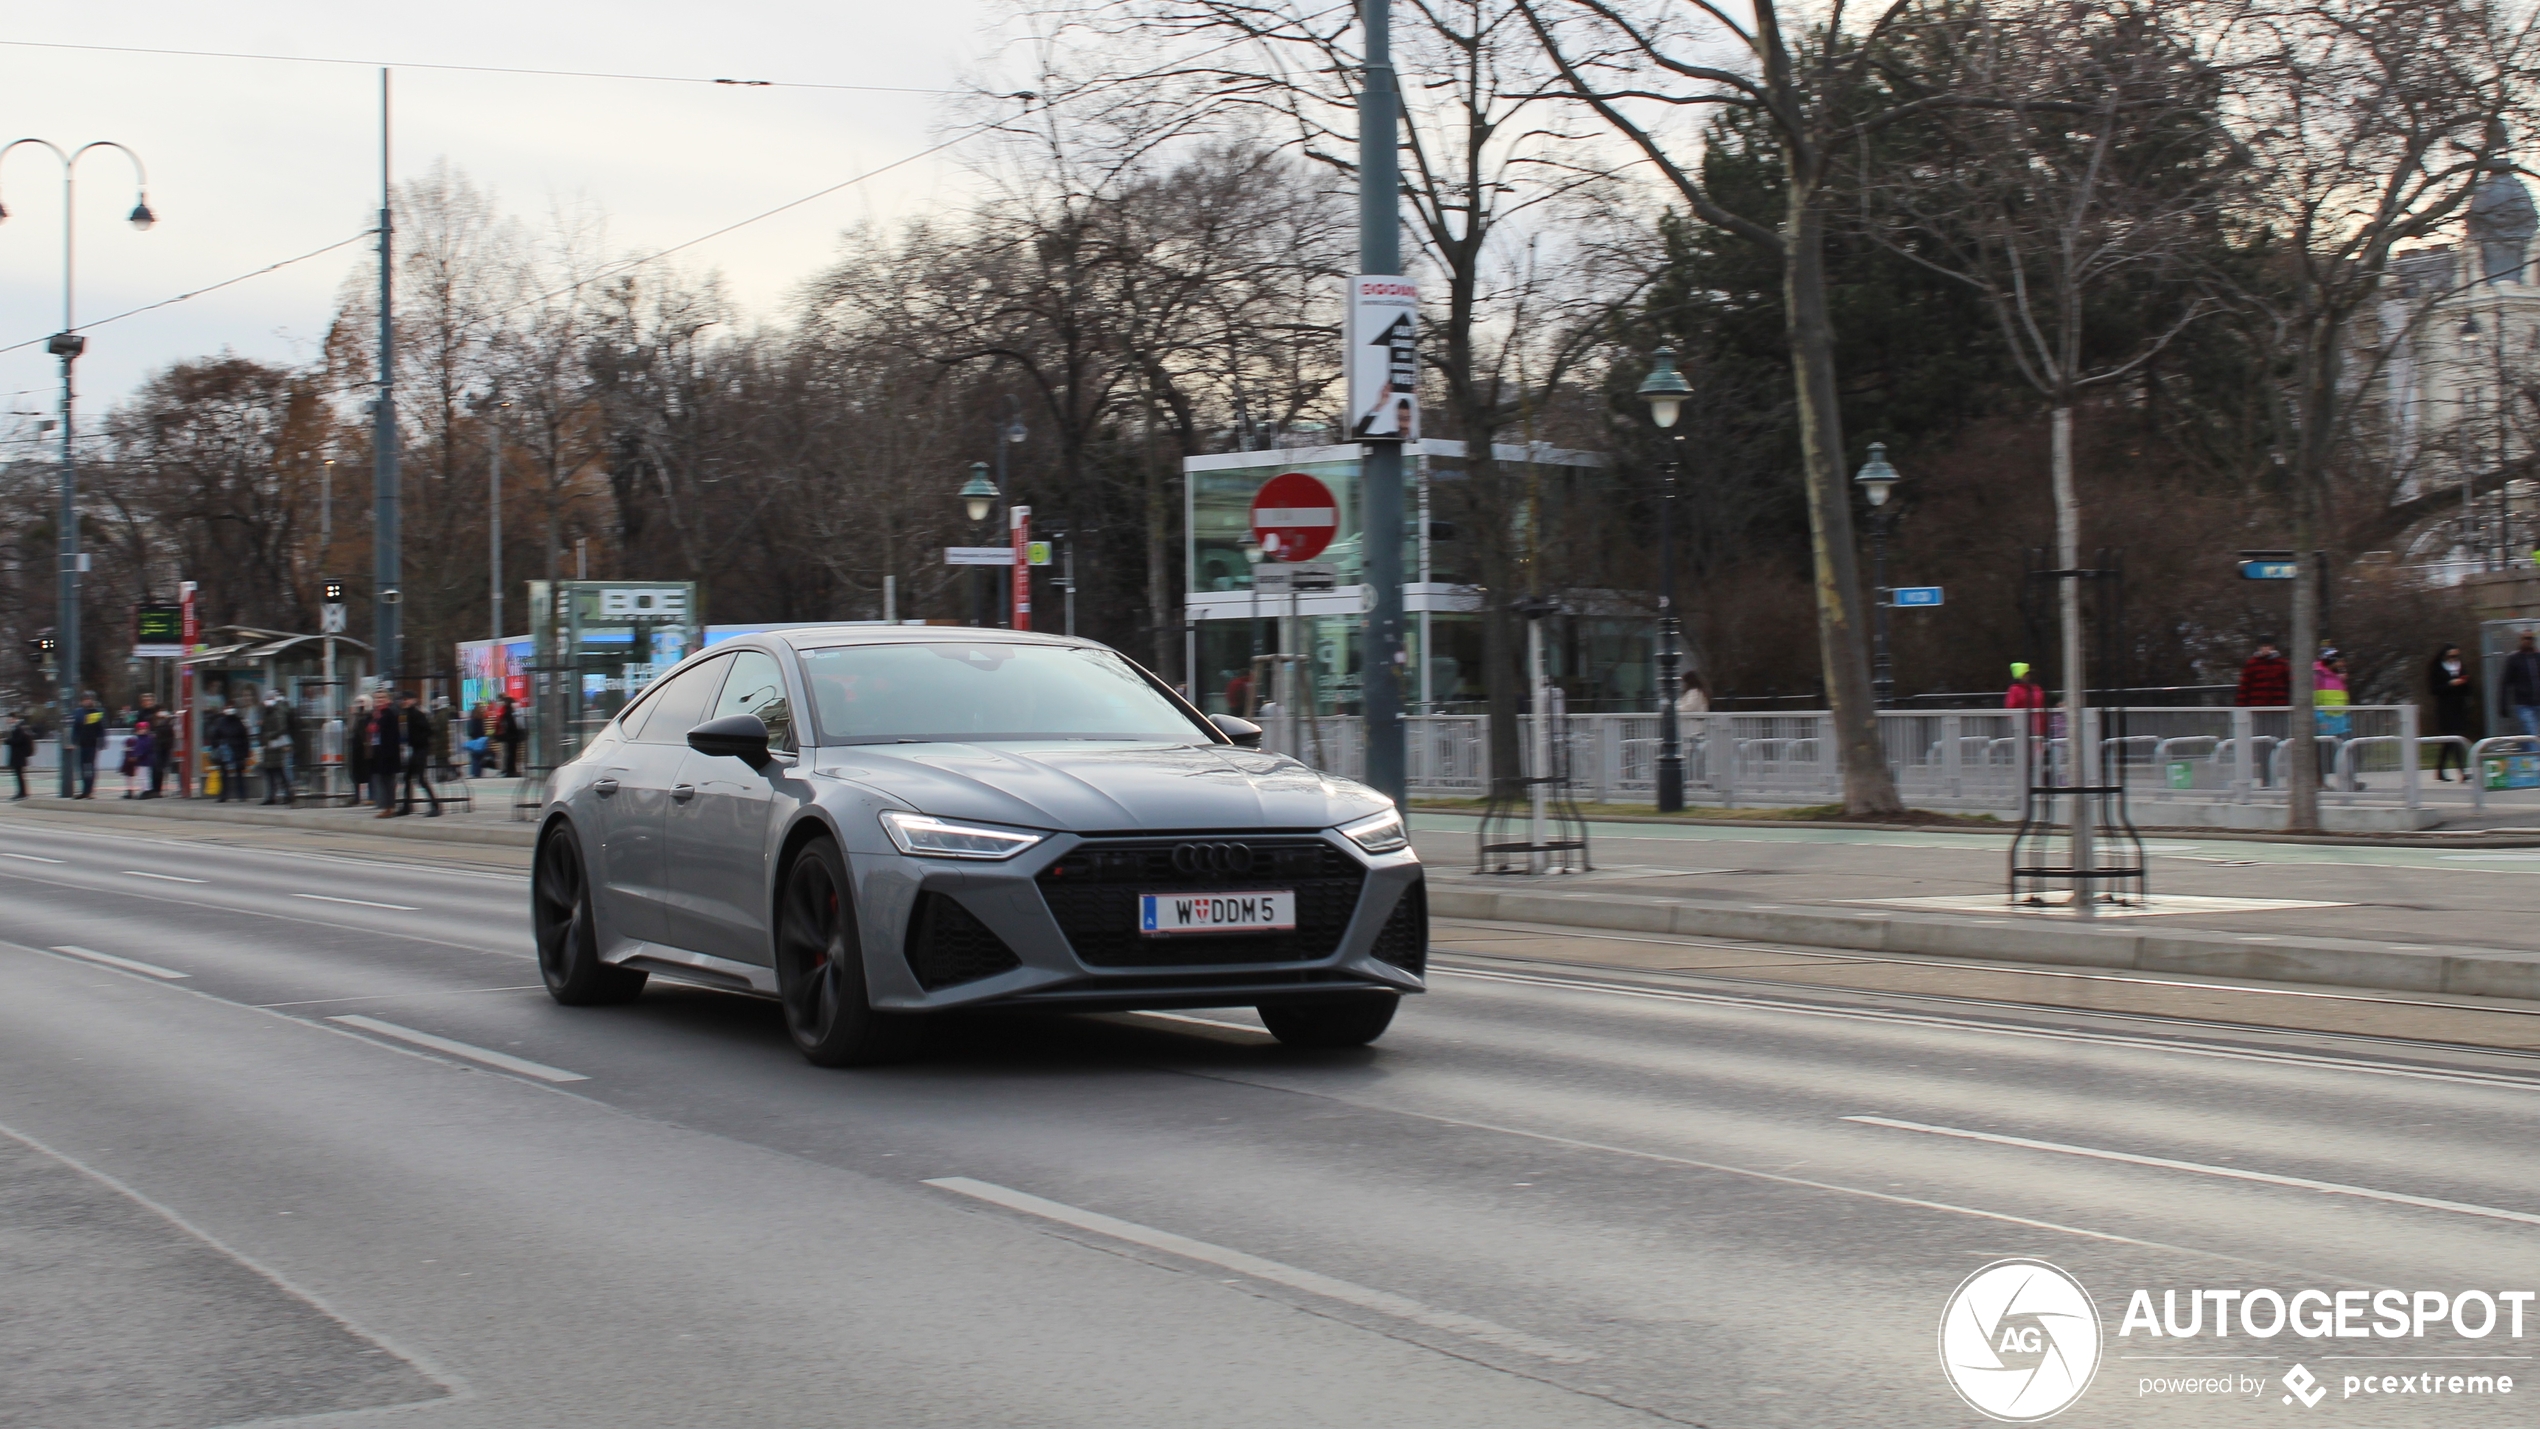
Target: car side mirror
(740, 736)
(1243, 732)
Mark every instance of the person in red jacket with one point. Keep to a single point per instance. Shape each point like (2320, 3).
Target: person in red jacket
(2026, 694)
(2266, 682)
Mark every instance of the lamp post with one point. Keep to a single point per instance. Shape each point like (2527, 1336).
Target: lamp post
(978, 498)
(1665, 390)
(1876, 478)
(1012, 434)
(490, 405)
(67, 345)
(1250, 545)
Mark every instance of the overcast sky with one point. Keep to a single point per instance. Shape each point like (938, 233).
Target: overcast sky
(251, 162)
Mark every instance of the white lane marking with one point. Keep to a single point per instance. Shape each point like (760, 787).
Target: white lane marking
(486, 1055)
(162, 877)
(29, 858)
(127, 964)
(357, 902)
(2231, 1173)
(1382, 1301)
(2136, 1044)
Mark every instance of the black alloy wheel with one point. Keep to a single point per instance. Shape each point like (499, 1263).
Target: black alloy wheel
(1348, 1020)
(820, 970)
(568, 937)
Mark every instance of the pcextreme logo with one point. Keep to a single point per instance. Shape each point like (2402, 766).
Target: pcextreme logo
(2020, 1341)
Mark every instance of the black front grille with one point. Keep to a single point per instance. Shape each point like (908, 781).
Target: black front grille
(1093, 893)
(947, 944)
(1404, 940)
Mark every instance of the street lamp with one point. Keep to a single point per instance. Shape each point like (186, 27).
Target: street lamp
(1250, 545)
(1876, 479)
(67, 345)
(1665, 390)
(978, 498)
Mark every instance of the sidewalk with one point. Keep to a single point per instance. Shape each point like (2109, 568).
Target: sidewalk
(2413, 917)
(489, 822)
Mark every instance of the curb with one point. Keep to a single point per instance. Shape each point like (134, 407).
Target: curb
(506, 835)
(2422, 838)
(2466, 972)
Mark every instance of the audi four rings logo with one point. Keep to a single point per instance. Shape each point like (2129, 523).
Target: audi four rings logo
(1212, 858)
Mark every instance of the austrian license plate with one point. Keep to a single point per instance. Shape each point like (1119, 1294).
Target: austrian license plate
(1160, 913)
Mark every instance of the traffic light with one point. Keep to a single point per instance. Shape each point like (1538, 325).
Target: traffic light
(332, 593)
(45, 645)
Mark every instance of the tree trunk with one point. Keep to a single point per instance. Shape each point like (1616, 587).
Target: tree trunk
(1868, 789)
(1160, 604)
(2080, 735)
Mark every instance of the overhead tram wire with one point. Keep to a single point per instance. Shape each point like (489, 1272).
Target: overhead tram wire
(198, 292)
(481, 69)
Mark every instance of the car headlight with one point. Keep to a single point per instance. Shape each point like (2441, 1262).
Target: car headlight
(929, 837)
(1379, 833)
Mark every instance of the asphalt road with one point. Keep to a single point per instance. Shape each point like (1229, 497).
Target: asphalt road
(1555, 1194)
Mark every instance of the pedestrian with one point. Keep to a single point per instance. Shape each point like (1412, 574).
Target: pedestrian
(1692, 699)
(443, 717)
(88, 732)
(1239, 694)
(414, 734)
(21, 749)
(2447, 682)
(136, 756)
(2266, 681)
(2026, 693)
(2329, 699)
(387, 753)
(357, 747)
(478, 745)
(2522, 684)
(162, 740)
(227, 741)
(508, 734)
(280, 734)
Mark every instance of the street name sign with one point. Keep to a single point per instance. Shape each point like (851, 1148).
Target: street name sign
(2267, 570)
(978, 555)
(1913, 595)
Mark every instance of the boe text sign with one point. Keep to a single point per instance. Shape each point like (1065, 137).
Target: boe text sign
(1380, 354)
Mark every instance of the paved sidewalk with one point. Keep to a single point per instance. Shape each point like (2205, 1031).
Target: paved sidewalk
(489, 821)
(2415, 918)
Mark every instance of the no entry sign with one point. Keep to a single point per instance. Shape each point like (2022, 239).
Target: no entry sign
(1294, 516)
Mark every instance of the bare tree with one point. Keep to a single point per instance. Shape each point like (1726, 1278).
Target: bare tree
(2368, 125)
(1816, 96)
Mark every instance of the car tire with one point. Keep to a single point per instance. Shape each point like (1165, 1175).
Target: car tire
(1350, 1020)
(820, 969)
(568, 935)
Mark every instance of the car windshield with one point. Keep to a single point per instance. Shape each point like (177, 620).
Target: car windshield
(973, 691)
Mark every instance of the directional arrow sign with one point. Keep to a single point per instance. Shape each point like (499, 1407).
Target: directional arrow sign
(1925, 595)
(2267, 570)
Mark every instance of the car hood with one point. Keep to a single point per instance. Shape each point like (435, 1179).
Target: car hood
(1105, 788)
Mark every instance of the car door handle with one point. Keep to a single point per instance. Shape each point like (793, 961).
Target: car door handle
(682, 793)
(603, 787)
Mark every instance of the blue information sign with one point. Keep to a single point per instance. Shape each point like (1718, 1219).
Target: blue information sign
(1914, 595)
(2266, 570)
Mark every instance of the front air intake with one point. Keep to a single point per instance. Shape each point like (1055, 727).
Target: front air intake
(948, 945)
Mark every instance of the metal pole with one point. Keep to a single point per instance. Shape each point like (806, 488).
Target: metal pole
(1882, 670)
(1068, 539)
(67, 346)
(494, 521)
(1671, 763)
(385, 566)
(1380, 251)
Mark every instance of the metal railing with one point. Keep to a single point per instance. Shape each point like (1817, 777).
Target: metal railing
(1964, 759)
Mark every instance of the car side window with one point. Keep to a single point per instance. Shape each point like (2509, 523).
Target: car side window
(679, 705)
(756, 686)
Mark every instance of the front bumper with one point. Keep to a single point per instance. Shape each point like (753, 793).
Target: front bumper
(1056, 928)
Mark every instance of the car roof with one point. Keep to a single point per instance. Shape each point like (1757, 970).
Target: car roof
(827, 637)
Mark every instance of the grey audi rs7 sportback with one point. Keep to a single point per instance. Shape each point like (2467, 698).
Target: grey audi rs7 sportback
(872, 824)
